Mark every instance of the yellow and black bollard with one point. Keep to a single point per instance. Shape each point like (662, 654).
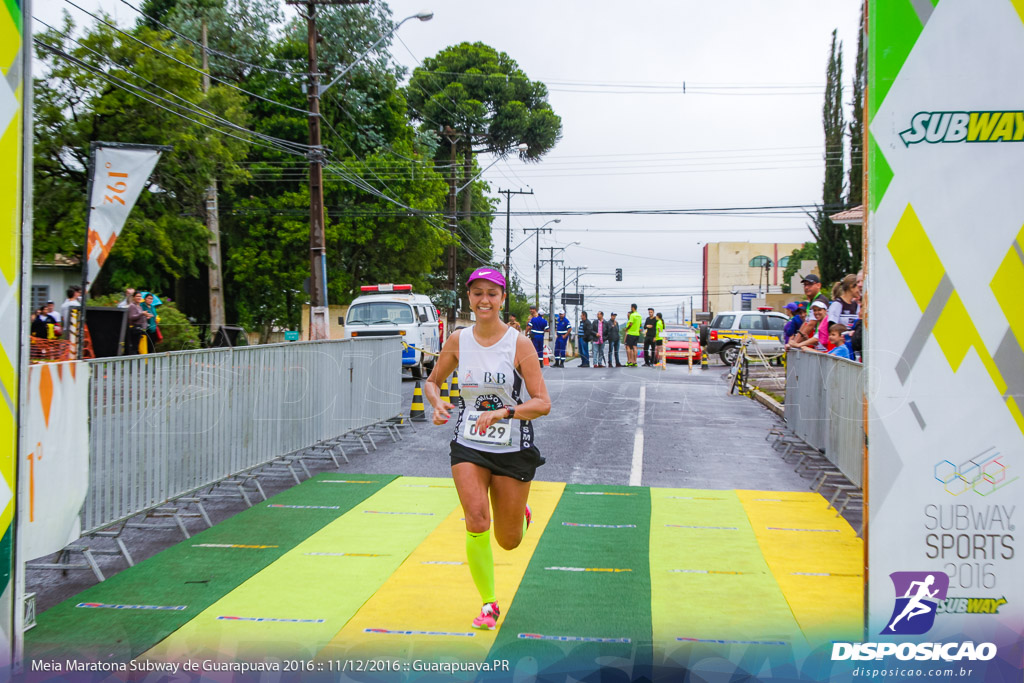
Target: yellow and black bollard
(703, 358)
(417, 413)
(454, 393)
(444, 392)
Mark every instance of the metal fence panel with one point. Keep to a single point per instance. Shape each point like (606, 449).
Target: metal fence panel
(824, 407)
(164, 425)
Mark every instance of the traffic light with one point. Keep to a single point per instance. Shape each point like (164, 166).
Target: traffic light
(618, 274)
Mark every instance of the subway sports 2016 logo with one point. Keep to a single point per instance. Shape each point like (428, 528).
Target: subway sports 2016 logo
(964, 126)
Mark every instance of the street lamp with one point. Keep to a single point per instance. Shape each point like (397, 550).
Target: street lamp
(422, 16)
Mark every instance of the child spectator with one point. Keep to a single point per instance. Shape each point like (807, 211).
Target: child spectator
(837, 342)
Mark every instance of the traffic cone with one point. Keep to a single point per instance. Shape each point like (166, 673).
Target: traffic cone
(416, 412)
(454, 393)
(444, 392)
(547, 357)
(703, 358)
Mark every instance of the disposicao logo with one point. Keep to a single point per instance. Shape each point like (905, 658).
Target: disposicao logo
(917, 596)
(964, 126)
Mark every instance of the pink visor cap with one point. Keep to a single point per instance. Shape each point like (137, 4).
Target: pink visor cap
(489, 274)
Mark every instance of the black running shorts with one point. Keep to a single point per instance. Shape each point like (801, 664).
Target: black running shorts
(632, 339)
(521, 465)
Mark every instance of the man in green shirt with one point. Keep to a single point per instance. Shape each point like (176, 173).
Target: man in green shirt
(632, 336)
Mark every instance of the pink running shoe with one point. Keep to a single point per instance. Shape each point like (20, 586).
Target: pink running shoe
(489, 614)
(529, 516)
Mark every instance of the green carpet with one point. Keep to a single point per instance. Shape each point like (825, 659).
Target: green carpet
(191, 575)
(591, 562)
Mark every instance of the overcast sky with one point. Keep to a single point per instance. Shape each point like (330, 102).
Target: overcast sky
(747, 132)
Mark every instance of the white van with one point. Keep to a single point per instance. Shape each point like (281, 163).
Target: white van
(386, 310)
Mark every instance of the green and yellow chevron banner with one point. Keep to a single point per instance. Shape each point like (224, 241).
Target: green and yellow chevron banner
(13, 58)
(945, 344)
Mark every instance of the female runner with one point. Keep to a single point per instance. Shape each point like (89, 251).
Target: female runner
(492, 454)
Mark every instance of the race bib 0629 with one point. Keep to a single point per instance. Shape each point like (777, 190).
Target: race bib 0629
(497, 434)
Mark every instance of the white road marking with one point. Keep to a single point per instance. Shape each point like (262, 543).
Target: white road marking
(636, 470)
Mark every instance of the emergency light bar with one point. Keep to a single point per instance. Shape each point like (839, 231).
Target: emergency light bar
(386, 288)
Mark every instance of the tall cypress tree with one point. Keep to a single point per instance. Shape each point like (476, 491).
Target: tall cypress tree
(854, 233)
(833, 249)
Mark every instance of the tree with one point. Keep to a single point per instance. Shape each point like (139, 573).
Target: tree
(808, 252)
(834, 250)
(480, 101)
(854, 233)
(109, 87)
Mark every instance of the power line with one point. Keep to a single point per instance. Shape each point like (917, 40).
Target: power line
(211, 50)
(189, 66)
(133, 90)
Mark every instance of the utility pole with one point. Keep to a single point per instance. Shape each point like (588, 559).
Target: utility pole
(215, 278)
(453, 221)
(318, 324)
(508, 234)
(536, 267)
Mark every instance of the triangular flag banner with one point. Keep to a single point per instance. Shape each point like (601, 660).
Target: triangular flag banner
(119, 174)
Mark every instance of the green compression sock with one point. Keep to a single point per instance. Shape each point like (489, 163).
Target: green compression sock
(481, 563)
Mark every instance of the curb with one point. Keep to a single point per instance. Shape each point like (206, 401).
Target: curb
(768, 402)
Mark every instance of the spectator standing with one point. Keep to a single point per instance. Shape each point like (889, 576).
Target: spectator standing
(659, 339)
(796, 312)
(613, 342)
(844, 308)
(513, 323)
(53, 313)
(138, 321)
(650, 331)
(42, 324)
(584, 333)
(129, 298)
(151, 329)
(562, 329)
(74, 301)
(600, 337)
(838, 342)
(817, 341)
(536, 328)
(812, 289)
(632, 336)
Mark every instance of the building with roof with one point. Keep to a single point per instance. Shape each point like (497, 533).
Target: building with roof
(741, 276)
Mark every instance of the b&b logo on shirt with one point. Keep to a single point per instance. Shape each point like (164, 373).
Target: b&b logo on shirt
(494, 377)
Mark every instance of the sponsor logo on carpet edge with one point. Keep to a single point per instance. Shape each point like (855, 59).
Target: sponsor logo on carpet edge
(733, 642)
(102, 605)
(964, 126)
(690, 526)
(304, 507)
(345, 481)
(272, 619)
(601, 493)
(783, 528)
(947, 652)
(232, 545)
(601, 526)
(709, 571)
(392, 632)
(917, 594)
(573, 639)
(586, 569)
(970, 605)
(390, 512)
(347, 554)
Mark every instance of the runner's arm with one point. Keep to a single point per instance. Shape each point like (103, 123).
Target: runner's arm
(447, 362)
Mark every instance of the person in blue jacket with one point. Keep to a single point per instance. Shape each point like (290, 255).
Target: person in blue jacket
(562, 328)
(536, 329)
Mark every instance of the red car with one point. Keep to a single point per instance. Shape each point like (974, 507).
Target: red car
(681, 343)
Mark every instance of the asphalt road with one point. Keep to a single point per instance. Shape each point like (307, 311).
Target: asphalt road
(662, 428)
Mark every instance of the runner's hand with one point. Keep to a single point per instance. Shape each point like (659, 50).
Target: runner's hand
(490, 417)
(442, 412)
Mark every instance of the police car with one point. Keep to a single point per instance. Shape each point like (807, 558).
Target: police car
(729, 328)
(393, 310)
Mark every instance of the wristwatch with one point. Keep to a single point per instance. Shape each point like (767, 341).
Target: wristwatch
(510, 412)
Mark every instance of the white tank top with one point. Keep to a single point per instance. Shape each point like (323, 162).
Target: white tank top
(487, 381)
